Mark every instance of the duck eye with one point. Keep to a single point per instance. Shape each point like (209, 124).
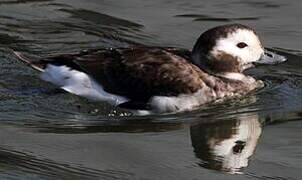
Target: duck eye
(241, 45)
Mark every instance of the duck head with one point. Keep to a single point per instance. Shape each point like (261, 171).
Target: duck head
(230, 49)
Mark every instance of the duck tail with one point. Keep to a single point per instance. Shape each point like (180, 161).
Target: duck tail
(30, 60)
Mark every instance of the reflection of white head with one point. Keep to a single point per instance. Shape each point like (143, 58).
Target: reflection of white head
(234, 152)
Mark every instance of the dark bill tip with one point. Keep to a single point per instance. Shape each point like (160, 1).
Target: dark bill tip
(269, 57)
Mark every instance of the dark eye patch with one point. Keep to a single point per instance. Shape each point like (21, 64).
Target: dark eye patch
(241, 45)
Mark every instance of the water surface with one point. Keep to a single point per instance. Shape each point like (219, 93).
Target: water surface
(46, 133)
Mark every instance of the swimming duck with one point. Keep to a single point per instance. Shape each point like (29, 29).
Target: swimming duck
(161, 79)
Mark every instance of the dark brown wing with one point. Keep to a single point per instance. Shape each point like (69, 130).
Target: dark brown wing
(137, 73)
(140, 73)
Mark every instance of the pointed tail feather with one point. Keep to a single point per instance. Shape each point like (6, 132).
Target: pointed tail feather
(31, 61)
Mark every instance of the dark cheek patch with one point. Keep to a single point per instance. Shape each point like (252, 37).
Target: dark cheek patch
(224, 63)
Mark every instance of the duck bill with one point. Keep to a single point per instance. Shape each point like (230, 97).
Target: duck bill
(269, 57)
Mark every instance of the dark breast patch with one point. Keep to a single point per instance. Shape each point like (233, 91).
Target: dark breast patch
(224, 62)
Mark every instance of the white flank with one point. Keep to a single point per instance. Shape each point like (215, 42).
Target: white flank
(182, 102)
(79, 83)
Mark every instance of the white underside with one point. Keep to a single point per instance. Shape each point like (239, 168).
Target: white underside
(81, 84)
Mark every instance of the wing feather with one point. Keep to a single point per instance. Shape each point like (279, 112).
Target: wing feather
(137, 73)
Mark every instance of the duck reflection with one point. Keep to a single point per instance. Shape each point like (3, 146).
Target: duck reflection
(226, 145)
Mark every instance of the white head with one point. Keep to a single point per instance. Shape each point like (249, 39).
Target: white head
(243, 44)
(230, 49)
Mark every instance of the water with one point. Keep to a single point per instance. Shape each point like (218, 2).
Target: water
(46, 133)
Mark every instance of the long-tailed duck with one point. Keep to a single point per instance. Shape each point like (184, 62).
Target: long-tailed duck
(160, 79)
